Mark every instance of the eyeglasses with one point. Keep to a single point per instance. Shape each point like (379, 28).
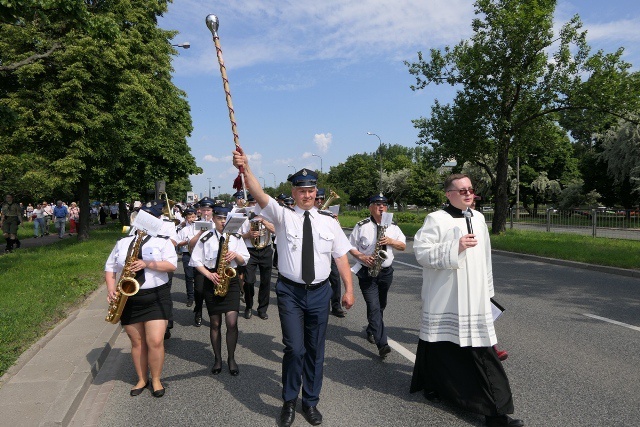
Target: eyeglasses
(381, 204)
(464, 191)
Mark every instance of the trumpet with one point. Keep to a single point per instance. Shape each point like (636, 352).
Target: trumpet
(264, 238)
(167, 210)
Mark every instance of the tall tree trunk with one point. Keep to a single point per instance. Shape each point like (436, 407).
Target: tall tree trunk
(501, 212)
(85, 210)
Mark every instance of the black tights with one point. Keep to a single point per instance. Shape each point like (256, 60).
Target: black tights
(231, 319)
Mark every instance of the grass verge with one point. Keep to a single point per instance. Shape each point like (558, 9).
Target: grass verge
(38, 286)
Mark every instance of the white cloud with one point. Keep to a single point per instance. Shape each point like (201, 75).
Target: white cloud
(210, 158)
(307, 155)
(322, 141)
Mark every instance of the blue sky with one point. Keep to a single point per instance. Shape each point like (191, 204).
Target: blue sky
(313, 77)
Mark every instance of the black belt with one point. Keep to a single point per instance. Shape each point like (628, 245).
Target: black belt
(302, 285)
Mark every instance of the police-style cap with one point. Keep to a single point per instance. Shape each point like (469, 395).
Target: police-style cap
(281, 196)
(320, 193)
(304, 178)
(288, 201)
(238, 195)
(207, 202)
(189, 211)
(221, 210)
(154, 207)
(250, 198)
(378, 198)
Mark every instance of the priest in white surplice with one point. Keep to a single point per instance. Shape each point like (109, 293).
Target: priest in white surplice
(455, 359)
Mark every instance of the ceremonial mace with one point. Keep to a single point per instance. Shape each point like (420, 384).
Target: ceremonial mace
(212, 24)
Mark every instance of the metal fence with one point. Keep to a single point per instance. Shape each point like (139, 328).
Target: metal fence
(618, 224)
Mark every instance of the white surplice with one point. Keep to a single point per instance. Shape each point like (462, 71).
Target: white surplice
(456, 287)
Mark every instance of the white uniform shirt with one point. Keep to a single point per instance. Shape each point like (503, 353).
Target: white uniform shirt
(187, 233)
(365, 235)
(205, 253)
(328, 240)
(154, 249)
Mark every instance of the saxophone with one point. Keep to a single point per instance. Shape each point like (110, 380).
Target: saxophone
(225, 271)
(127, 284)
(378, 253)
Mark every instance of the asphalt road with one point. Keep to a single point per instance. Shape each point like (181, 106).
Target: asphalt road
(566, 368)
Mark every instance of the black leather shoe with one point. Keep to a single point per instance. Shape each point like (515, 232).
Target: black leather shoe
(214, 370)
(338, 312)
(313, 416)
(247, 313)
(263, 316)
(371, 338)
(189, 303)
(288, 413)
(233, 371)
(197, 320)
(503, 421)
(138, 391)
(384, 350)
(158, 393)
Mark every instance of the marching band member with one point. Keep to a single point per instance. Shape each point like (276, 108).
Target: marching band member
(261, 259)
(334, 277)
(206, 257)
(145, 315)
(308, 239)
(364, 239)
(186, 233)
(205, 206)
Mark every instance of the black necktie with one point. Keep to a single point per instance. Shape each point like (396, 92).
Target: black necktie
(219, 251)
(307, 251)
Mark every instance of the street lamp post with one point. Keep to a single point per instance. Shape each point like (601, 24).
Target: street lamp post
(369, 133)
(209, 179)
(315, 155)
(185, 45)
(518, 188)
(274, 179)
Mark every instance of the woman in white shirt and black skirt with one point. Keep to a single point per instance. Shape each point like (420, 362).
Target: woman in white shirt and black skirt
(204, 257)
(146, 313)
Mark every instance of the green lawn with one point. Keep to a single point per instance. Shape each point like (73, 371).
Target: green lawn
(39, 285)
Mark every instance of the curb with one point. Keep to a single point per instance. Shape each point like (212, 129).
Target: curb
(600, 268)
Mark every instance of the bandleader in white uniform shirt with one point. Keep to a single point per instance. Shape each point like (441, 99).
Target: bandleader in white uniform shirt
(152, 249)
(328, 239)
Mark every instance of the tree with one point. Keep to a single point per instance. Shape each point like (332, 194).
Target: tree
(100, 113)
(512, 95)
(621, 152)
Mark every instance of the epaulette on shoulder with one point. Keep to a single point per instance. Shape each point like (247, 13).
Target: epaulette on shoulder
(167, 220)
(289, 207)
(328, 213)
(237, 235)
(162, 237)
(364, 221)
(206, 237)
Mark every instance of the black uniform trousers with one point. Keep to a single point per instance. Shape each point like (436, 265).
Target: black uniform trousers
(304, 315)
(260, 260)
(198, 291)
(375, 291)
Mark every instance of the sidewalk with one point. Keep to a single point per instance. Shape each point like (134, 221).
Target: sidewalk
(48, 382)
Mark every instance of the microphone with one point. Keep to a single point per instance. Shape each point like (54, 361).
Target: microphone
(467, 217)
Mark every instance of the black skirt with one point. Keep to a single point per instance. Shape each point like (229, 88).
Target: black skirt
(471, 377)
(148, 304)
(219, 305)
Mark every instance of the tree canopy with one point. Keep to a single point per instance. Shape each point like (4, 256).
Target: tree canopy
(514, 96)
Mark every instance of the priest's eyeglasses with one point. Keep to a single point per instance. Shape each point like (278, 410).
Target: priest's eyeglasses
(464, 191)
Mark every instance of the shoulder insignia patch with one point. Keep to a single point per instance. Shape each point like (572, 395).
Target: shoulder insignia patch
(364, 221)
(206, 237)
(328, 213)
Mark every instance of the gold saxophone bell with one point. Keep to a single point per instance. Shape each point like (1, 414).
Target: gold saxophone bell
(230, 272)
